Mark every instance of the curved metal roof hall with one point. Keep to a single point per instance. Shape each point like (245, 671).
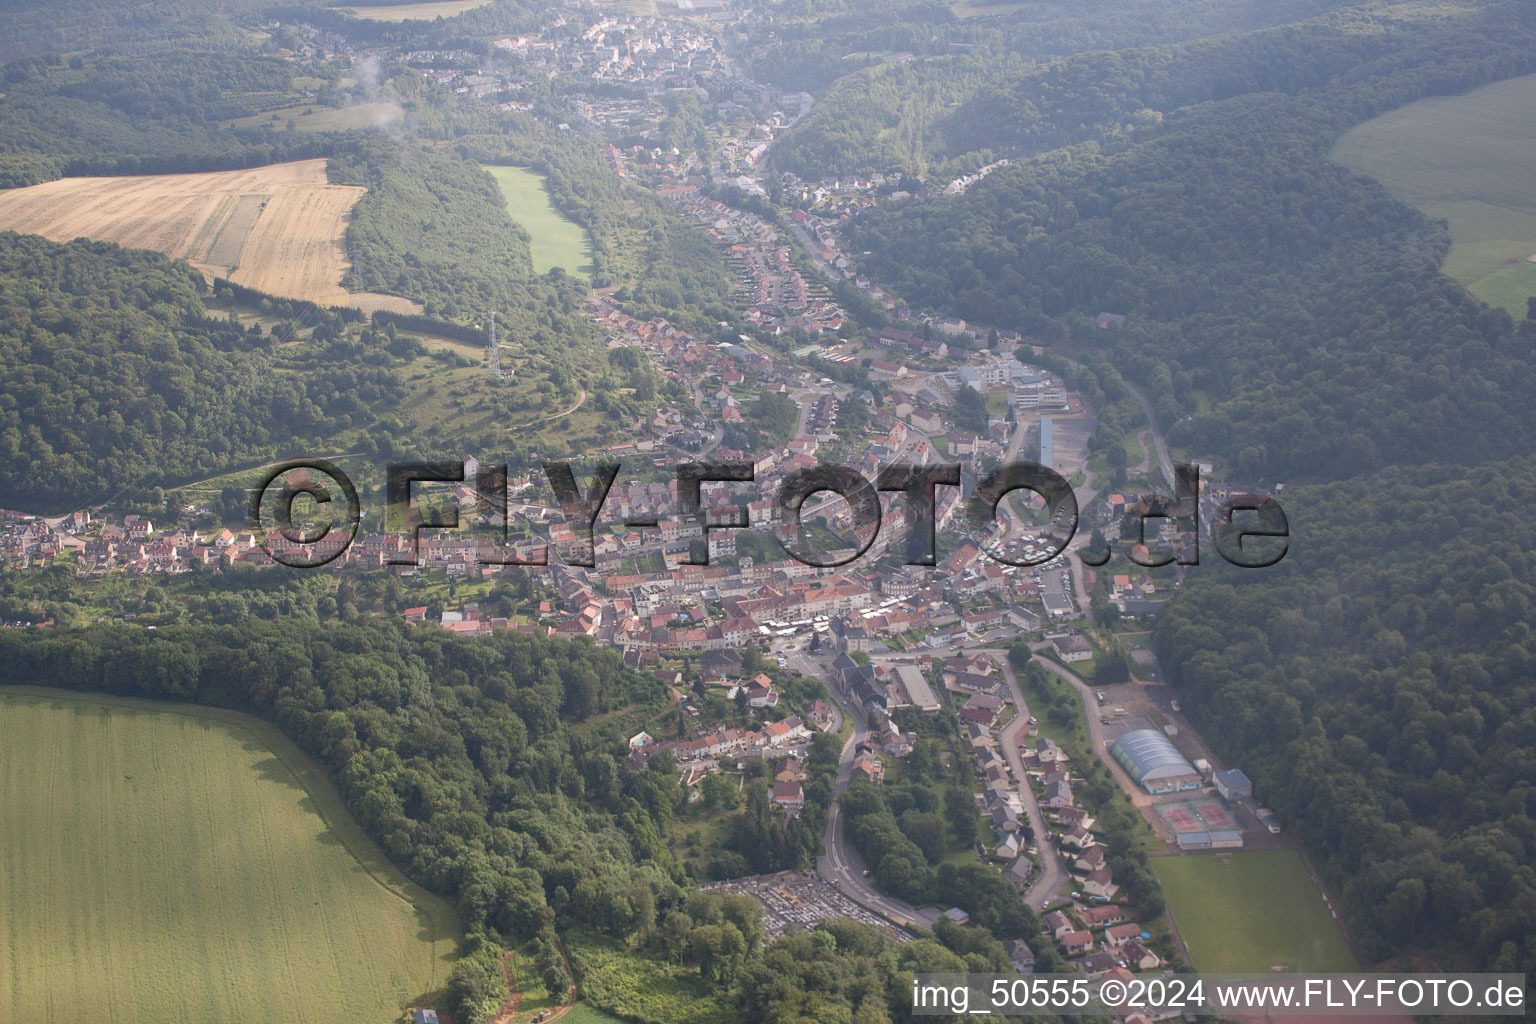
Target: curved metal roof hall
(1148, 754)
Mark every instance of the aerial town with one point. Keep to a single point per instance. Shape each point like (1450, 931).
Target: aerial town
(885, 640)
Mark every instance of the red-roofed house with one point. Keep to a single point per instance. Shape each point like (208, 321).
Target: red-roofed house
(790, 796)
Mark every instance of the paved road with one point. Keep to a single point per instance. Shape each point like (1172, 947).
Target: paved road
(718, 434)
(840, 863)
(1097, 736)
(1053, 872)
(1085, 495)
(1157, 437)
(813, 250)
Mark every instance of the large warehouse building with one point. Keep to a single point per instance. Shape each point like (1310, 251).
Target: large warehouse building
(1154, 762)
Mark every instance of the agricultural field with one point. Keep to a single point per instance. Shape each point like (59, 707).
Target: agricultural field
(279, 229)
(1467, 160)
(414, 12)
(1245, 913)
(555, 240)
(190, 866)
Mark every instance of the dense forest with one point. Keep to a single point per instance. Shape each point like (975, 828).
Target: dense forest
(927, 91)
(434, 227)
(1377, 685)
(488, 770)
(161, 114)
(662, 265)
(811, 44)
(77, 26)
(115, 374)
(1289, 319)
(467, 30)
(1252, 269)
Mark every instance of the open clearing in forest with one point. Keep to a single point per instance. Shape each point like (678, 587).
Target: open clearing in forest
(555, 241)
(414, 12)
(1467, 160)
(313, 117)
(183, 865)
(280, 229)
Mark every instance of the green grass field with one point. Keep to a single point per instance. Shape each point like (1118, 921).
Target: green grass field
(556, 241)
(1249, 912)
(984, 8)
(170, 864)
(1465, 159)
(312, 117)
(414, 12)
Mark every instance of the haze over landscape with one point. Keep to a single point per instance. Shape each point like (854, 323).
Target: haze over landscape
(1254, 283)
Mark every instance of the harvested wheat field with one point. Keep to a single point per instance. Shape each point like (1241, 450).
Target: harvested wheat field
(279, 229)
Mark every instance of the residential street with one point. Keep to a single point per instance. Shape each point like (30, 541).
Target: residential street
(1092, 714)
(840, 863)
(1053, 873)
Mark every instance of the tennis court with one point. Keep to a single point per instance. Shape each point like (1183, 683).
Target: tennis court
(1216, 816)
(1197, 816)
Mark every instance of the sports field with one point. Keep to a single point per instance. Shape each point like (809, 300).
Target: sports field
(279, 229)
(414, 12)
(556, 241)
(1246, 913)
(1469, 160)
(166, 864)
(1196, 816)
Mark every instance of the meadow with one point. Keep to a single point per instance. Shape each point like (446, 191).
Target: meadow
(985, 8)
(1249, 912)
(279, 229)
(555, 240)
(190, 866)
(414, 12)
(1467, 160)
(312, 117)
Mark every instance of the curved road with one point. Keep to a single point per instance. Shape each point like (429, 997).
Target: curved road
(1092, 714)
(581, 396)
(840, 863)
(1053, 872)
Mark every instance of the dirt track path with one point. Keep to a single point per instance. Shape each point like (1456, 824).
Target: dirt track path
(581, 397)
(514, 997)
(510, 1008)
